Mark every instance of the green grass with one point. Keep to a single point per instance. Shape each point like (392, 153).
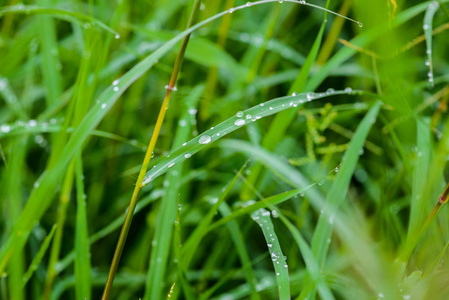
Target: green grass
(344, 189)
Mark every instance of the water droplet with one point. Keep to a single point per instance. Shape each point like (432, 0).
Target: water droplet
(406, 297)
(271, 108)
(117, 36)
(239, 122)
(115, 82)
(204, 139)
(152, 154)
(380, 295)
(32, 123)
(310, 96)
(274, 214)
(428, 51)
(302, 2)
(6, 128)
(425, 27)
(103, 106)
(187, 155)
(281, 1)
(330, 91)
(192, 111)
(116, 89)
(301, 194)
(182, 123)
(321, 182)
(248, 117)
(168, 87)
(294, 94)
(361, 151)
(248, 4)
(171, 164)
(360, 24)
(427, 63)
(231, 10)
(336, 170)
(261, 104)
(36, 184)
(239, 114)
(270, 245)
(179, 206)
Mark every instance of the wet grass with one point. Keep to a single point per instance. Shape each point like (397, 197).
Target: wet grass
(300, 151)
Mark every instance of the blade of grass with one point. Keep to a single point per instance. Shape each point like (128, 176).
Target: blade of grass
(239, 242)
(12, 186)
(262, 218)
(139, 184)
(241, 119)
(65, 15)
(82, 251)
(167, 211)
(40, 254)
(428, 18)
(340, 186)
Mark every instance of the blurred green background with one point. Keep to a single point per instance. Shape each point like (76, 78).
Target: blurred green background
(362, 169)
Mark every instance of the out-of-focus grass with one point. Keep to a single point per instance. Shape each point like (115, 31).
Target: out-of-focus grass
(71, 144)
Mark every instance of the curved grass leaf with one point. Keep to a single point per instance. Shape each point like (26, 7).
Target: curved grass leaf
(62, 14)
(40, 254)
(262, 217)
(239, 120)
(428, 18)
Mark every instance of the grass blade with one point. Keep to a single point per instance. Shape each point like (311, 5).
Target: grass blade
(241, 119)
(40, 254)
(262, 217)
(82, 251)
(428, 18)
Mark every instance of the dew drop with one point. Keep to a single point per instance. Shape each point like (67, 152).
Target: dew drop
(116, 89)
(310, 96)
(179, 206)
(271, 108)
(294, 94)
(348, 90)
(103, 106)
(115, 82)
(187, 155)
(301, 194)
(117, 36)
(321, 182)
(239, 114)
(32, 123)
(360, 24)
(239, 122)
(6, 128)
(204, 139)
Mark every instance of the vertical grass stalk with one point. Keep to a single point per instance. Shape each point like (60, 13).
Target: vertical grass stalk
(138, 187)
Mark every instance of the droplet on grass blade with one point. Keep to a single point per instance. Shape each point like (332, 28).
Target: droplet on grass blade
(204, 139)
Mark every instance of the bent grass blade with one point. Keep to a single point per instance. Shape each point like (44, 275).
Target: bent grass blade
(241, 119)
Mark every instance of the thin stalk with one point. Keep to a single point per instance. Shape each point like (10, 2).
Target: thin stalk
(138, 187)
(407, 252)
